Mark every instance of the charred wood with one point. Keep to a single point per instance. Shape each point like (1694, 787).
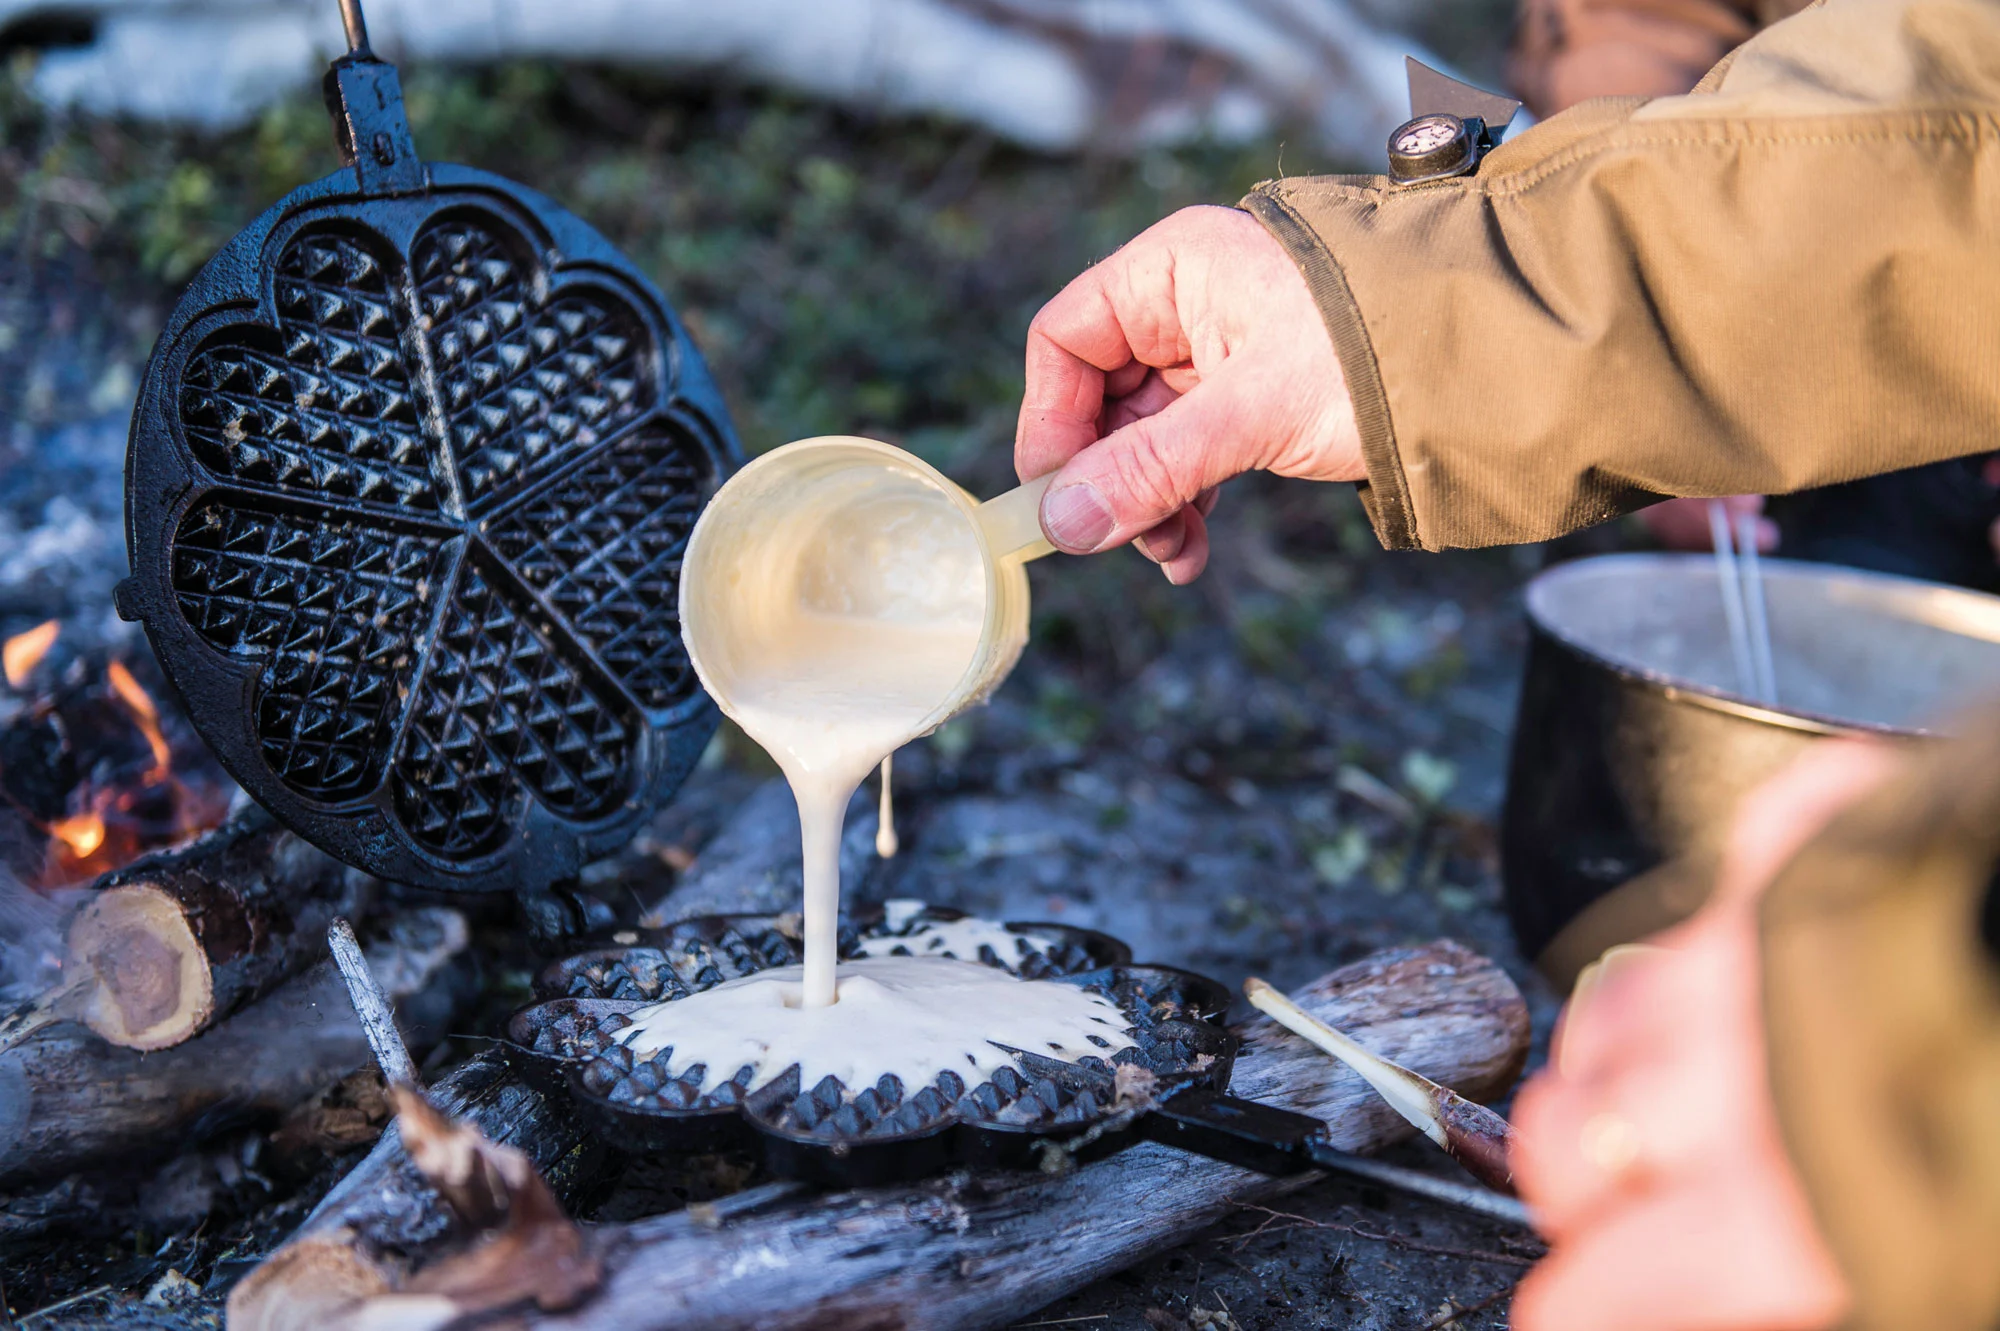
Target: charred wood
(528, 1250)
(385, 1216)
(180, 939)
(69, 1099)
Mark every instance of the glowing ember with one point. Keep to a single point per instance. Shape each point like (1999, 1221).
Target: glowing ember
(146, 716)
(20, 654)
(81, 835)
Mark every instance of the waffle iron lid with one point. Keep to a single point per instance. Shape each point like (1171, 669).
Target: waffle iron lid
(410, 477)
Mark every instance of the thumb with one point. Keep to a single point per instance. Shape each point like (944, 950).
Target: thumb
(1143, 473)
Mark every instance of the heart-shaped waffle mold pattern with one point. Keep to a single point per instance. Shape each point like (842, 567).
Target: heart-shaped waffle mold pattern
(805, 1130)
(411, 480)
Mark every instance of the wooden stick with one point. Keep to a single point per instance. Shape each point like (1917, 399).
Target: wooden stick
(179, 939)
(371, 1007)
(960, 1253)
(68, 1099)
(1471, 1134)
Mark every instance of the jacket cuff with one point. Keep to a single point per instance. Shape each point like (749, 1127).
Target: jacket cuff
(1385, 495)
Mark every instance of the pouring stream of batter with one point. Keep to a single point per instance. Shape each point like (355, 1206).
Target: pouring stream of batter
(829, 711)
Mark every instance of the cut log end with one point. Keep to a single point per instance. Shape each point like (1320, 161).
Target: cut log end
(150, 985)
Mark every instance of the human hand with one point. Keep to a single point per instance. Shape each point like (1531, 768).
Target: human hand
(1192, 355)
(1650, 1148)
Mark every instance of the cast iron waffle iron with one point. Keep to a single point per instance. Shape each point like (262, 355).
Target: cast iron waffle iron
(833, 1134)
(410, 477)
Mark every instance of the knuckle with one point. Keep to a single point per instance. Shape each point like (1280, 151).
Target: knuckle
(1147, 467)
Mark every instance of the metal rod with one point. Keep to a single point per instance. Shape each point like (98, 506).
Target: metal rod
(1465, 1196)
(371, 1006)
(1753, 603)
(357, 27)
(1732, 597)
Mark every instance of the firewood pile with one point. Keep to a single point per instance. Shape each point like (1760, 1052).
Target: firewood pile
(165, 968)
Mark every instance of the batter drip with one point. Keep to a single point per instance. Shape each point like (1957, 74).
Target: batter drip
(915, 1017)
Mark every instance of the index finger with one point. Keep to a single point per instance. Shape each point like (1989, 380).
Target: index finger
(1118, 312)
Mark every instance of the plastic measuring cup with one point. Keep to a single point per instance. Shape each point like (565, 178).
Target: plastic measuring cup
(868, 534)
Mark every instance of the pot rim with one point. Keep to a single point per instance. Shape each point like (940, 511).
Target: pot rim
(1678, 689)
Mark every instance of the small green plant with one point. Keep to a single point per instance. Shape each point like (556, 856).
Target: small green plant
(1338, 861)
(1428, 777)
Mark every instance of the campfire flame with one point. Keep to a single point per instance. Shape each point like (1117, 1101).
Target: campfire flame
(130, 806)
(147, 717)
(20, 654)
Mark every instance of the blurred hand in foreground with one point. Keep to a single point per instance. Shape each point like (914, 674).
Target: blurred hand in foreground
(1193, 354)
(1649, 1148)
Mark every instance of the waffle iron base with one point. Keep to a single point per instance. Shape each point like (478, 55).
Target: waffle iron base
(1047, 1115)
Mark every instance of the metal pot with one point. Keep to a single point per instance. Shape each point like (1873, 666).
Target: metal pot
(1633, 742)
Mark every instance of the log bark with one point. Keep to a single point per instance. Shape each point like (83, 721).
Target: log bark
(180, 939)
(952, 1253)
(68, 1099)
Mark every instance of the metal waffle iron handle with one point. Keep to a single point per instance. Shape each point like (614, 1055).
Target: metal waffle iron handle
(365, 97)
(1270, 1140)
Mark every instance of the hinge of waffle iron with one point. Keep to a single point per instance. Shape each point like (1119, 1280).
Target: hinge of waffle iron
(365, 98)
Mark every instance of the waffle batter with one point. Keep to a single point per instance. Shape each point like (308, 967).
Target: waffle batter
(846, 634)
(960, 939)
(914, 1017)
(829, 711)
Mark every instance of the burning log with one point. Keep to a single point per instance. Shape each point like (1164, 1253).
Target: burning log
(92, 772)
(68, 1099)
(956, 1252)
(180, 939)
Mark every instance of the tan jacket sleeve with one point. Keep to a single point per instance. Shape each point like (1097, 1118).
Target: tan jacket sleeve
(1788, 278)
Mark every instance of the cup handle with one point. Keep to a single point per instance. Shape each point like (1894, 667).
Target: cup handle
(1012, 522)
